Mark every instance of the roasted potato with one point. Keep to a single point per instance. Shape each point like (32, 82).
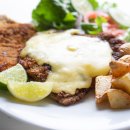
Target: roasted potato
(119, 68)
(118, 99)
(103, 83)
(125, 49)
(122, 83)
(125, 58)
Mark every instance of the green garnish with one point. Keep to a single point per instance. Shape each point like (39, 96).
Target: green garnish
(94, 28)
(54, 14)
(94, 4)
(89, 28)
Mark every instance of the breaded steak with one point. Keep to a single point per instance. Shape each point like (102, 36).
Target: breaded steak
(12, 40)
(13, 37)
(40, 73)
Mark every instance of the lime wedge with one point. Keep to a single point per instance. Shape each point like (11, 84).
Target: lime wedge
(30, 91)
(16, 73)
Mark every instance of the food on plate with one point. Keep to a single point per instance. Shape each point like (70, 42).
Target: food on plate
(54, 14)
(125, 58)
(118, 89)
(79, 65)
(119, 68)
(122, 83)
(118, 99)
(29, 91)
(5, 20)
(35, 72)
(103, 84)
(68, 45)
(115, 43)
(85, 5)
(15, 73)
(12, 40)
(125, 49)
(123, 80)
(93, 22)
(69, 99)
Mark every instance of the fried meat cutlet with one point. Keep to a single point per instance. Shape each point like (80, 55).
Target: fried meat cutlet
(40, 73)
(114, 42)
(12, 40)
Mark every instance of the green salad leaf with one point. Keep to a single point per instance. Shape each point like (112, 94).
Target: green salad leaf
(94, 4)
(90, 28)
(94, 28)
(100, 20)
(54, 14)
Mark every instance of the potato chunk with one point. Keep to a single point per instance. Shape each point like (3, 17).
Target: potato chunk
(118, 99)
(125, 49)
(125, 58)
(103, 83)
(122, 83)
(119, 68)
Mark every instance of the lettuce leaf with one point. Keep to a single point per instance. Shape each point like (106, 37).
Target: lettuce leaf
(94, 4)
(94, 28)
(54, 14)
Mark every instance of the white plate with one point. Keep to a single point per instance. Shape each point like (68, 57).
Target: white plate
(47, 114)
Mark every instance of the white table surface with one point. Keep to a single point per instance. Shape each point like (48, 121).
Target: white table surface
(9, 123)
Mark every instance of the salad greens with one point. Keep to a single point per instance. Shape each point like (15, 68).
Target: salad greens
(94, 4)
(90, 28)
(54, 14)
(62, 14)
(94, 28)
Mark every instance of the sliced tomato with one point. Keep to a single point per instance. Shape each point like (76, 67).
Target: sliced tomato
(91, 16)
(113, 29)
(117, 32)
(110, 27)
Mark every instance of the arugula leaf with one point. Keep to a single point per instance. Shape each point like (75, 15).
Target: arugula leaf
(94, 4)
(53, 14)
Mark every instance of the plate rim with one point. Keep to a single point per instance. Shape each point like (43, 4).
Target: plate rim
(43, 126)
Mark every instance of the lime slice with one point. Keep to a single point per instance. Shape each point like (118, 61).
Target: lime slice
(82, 6)
(16, 73)
(30, 91)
